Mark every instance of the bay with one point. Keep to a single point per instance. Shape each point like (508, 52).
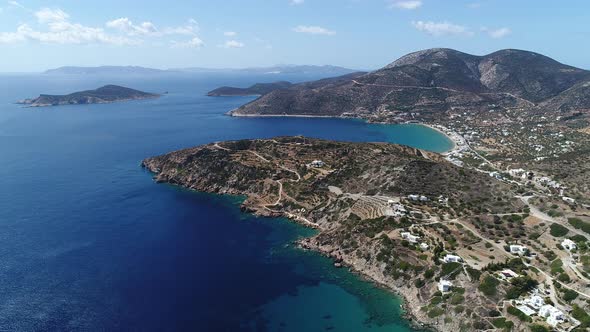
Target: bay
(89, 242)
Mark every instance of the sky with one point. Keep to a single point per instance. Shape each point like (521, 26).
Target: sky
(359, 34)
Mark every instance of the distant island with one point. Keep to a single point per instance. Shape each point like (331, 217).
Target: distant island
(261, 89)
(104, 70)
(258, 89)
(318, 71)
(103, 95)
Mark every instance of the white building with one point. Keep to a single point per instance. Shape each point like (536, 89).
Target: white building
(396, 209)
(444, 286)
(317, 163)
(518, 173)
(568, 244)
(568, 200)
(518, 249)
(507, 274)
(535, 302)
(410, 237)
(452, 259)
(553, 315)
(526, 310)
(424, 246)
(414, 197)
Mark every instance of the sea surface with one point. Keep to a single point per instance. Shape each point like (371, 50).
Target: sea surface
(88, 242)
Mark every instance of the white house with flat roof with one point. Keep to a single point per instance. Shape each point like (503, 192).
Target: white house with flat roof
(410, 237)
(535, 302)
(317, 163)
(518, 249)
(552, 314)
(444, 286)
(452, 259)
(568, 244)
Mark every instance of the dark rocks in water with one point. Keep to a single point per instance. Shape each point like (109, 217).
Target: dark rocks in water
(103, 95)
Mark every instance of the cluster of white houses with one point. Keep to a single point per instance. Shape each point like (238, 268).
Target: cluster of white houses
(535, 305)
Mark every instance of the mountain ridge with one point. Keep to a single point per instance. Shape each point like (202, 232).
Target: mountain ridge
(433, 80)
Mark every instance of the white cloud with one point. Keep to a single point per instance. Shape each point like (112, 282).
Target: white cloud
(55, 27)
(474, 5)
(498, 33)
(17, 4)
(230, 33)
(441, 28)
(195, 42)
(296, 2)
(314, 30)
(232, 44)
(59, 30)
(125, 25)
(406, 4)
(47, 15)
(64, 33)
(191, 28)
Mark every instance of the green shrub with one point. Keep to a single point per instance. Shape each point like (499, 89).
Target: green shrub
(581, 315)
(557, 230)
(521, 315)
(419, 283)
(488, 286)
(520, 285)
(450, 270)
(580, 224)
(539, 328)
(503, 323)
(435, 312)
(569, 295)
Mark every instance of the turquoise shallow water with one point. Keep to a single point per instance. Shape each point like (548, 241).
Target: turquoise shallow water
(90, 242)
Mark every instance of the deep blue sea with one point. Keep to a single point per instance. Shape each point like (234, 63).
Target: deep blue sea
(88, 242)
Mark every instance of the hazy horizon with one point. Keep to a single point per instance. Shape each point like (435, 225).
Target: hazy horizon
(351, 34)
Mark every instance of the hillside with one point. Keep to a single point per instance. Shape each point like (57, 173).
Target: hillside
(105, 94)
(360, 197)
(432, 82)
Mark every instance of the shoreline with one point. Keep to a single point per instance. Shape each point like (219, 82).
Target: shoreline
(283, 116)
(441, 129)
(436, 127)
(408, 311)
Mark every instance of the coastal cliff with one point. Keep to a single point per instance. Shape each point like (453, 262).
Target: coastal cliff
(392, 213)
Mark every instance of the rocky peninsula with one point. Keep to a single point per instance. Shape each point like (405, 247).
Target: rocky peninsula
(408, 219)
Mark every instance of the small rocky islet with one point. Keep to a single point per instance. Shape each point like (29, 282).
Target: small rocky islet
(102, 95)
